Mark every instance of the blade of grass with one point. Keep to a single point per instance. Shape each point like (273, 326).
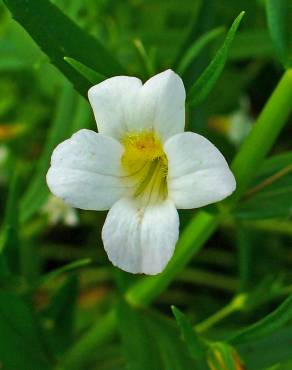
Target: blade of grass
(146, 61)
(196, 47)
(193, 237)
(58, 36)
(66, 268)
(195, 344)
(279, 16)
(79, 353)
(269, 324)
(203, 85)
(202, 22)
(262, 137)
(38, 191)
(88, 73)
(9, 237)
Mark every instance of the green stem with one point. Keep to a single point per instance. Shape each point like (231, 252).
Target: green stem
(235, 305)
(262, 137)
(192, 238)
(270, 225)
(208, 279)
(244, 246)
(268, 181)
(100, 332)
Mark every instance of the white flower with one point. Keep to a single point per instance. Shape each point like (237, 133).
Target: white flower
(58, 211)
(141, 166)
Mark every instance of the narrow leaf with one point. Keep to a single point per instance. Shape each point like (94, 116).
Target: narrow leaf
(269, 324)
(271, 193)
(196, 47)
(138, 347)
(69, 267)
(279, 15)
(202, 22)
(268, 350)
(21, 345)
(203, 85)
(83, 351)
(58, 36)
(9, 238)
(262, 137)
(146, 60)
(191, 240)
(196, 346)
(37, 192)
(172, 349)
(88, 73)
(59, 316)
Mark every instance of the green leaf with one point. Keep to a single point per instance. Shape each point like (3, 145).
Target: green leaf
(139, 348)
(58, 36)
(271, 192)
(9, 238)
(58, 317)
(153, 343)
(274, 164)
(244, 242)
(166, 337)
(203, 85)
(83, 351)
(202, 21)
(279, 15)
(147, 60)
(191, 240)
(88, 73)
(261, 138)
(21, 344)
(267, 351)
(269, 324)
(66, 268)
(254, 43)
(196, 346)
(37, 191)
(196, 47)
(274, 201)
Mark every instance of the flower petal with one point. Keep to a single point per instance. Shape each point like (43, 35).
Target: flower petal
(141, 240)
(162, 104)
(113, 102)
(86, 172)
(198, 174)
(122, 105)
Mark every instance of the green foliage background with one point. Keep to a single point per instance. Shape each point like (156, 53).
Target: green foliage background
(225, 300)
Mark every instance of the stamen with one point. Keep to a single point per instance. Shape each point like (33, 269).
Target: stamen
(145, 165)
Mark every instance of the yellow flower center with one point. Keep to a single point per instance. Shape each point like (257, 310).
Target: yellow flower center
(145, 164)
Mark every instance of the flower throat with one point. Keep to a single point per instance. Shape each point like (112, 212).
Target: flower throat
(145, 164)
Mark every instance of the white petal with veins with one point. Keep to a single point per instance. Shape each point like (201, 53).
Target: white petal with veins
(141, 240)
(198, 174)
(162, 104)
(86, 171)
(122, 104)
(114, 102)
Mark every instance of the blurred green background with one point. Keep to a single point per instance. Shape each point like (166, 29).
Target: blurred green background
(61, 301)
